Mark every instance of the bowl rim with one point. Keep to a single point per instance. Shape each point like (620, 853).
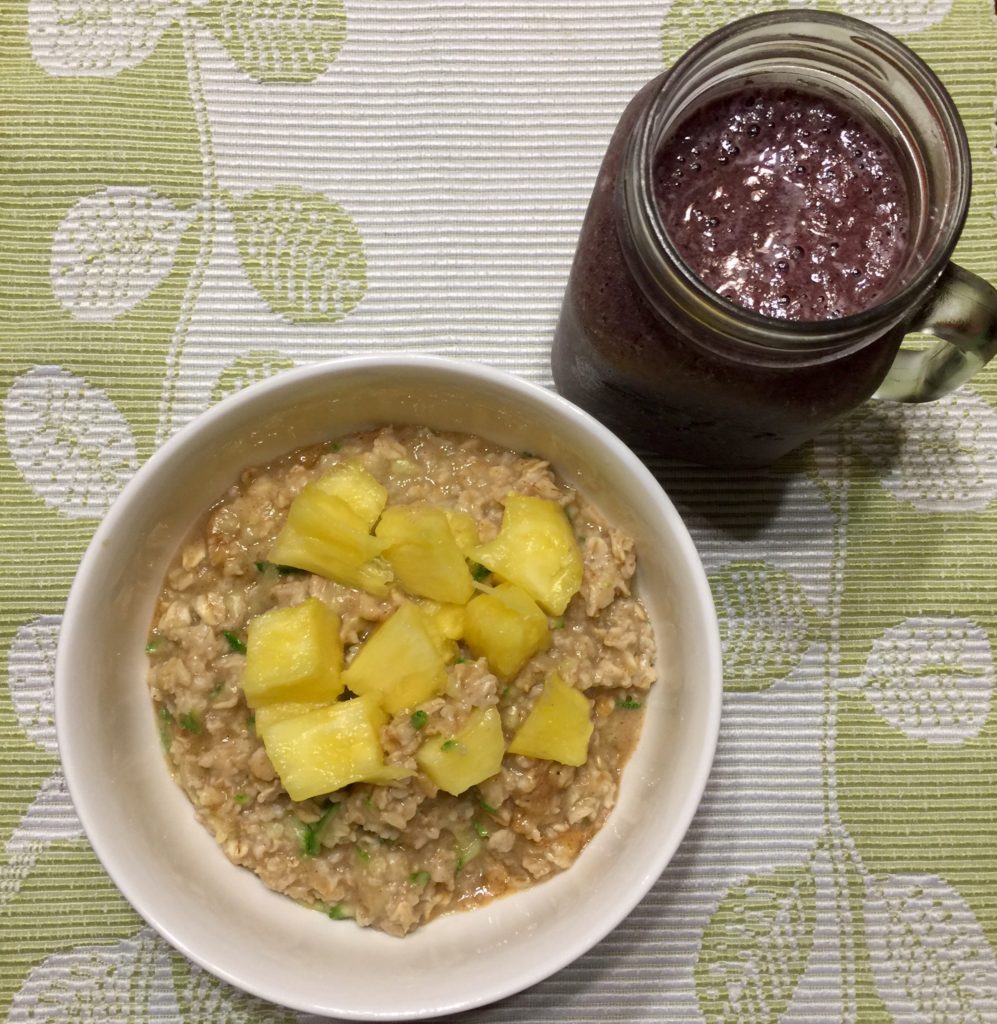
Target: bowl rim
(286, 382)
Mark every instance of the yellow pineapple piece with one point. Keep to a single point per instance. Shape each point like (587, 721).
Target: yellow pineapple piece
(352, 484)
(505, 626)
(324, 535)
(445, 623)
(455, 763)
(323, 750)
(423, 553)
(293, 654)
(558, 727)
(464, 529)
(268, 714)
(399, 664)
(447, 619)
(535, 549)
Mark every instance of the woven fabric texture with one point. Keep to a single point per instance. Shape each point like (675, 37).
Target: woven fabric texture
(197, 194)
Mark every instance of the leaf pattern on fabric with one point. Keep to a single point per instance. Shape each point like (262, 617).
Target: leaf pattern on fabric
(279, 40)
(31, 678)
(112, 248)
(126, 982)
(756, 948)
(767, 623)
(937, 456)
(932, 678)
(96, 37)
(302, 253)
(69, 440)
(248, 369)
(931, 960)
(687, 21)
(898, 16)
(50, 817)
(201, 997)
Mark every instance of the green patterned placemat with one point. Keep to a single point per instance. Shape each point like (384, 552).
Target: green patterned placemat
(195, 195)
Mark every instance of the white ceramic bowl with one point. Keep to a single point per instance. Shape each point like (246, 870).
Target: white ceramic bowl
(142, 826)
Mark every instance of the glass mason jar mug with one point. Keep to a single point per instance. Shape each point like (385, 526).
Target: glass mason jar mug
(676, 368)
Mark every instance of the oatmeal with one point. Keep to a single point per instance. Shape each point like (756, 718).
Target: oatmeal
(488, 753)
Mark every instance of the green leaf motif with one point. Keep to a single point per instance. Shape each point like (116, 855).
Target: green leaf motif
(31, 678)
(302, 253)
(112, 248)
(930, 956)
(766, 624)
(687, 21)
(279, 40)
(932, 678)
(248, 369)
(127, 981)
(932, 456)
(83, 38)
(70, 441)
(756, 948)
(899, 18)
(203, 999)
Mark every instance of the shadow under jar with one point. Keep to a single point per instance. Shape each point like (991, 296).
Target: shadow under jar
(772, 216)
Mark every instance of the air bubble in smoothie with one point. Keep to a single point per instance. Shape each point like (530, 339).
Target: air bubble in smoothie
(800, 210)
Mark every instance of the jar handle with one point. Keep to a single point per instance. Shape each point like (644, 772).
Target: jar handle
(962, 313)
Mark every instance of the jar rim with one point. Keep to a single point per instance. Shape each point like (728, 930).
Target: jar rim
(807, 337)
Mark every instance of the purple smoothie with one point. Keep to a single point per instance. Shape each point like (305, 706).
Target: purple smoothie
(784, 203)
(647, 364)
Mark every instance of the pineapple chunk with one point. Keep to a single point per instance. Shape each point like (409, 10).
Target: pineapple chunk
(293, 654)
(464, 530)
(445, 623)
(506, 627)
(399, 664)
(423, 553)
(324, 750)
(473, 754)
(269, 714)
(351, 483)
(558, 727)
(447, 619)
(325, 536)
(536, 550)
